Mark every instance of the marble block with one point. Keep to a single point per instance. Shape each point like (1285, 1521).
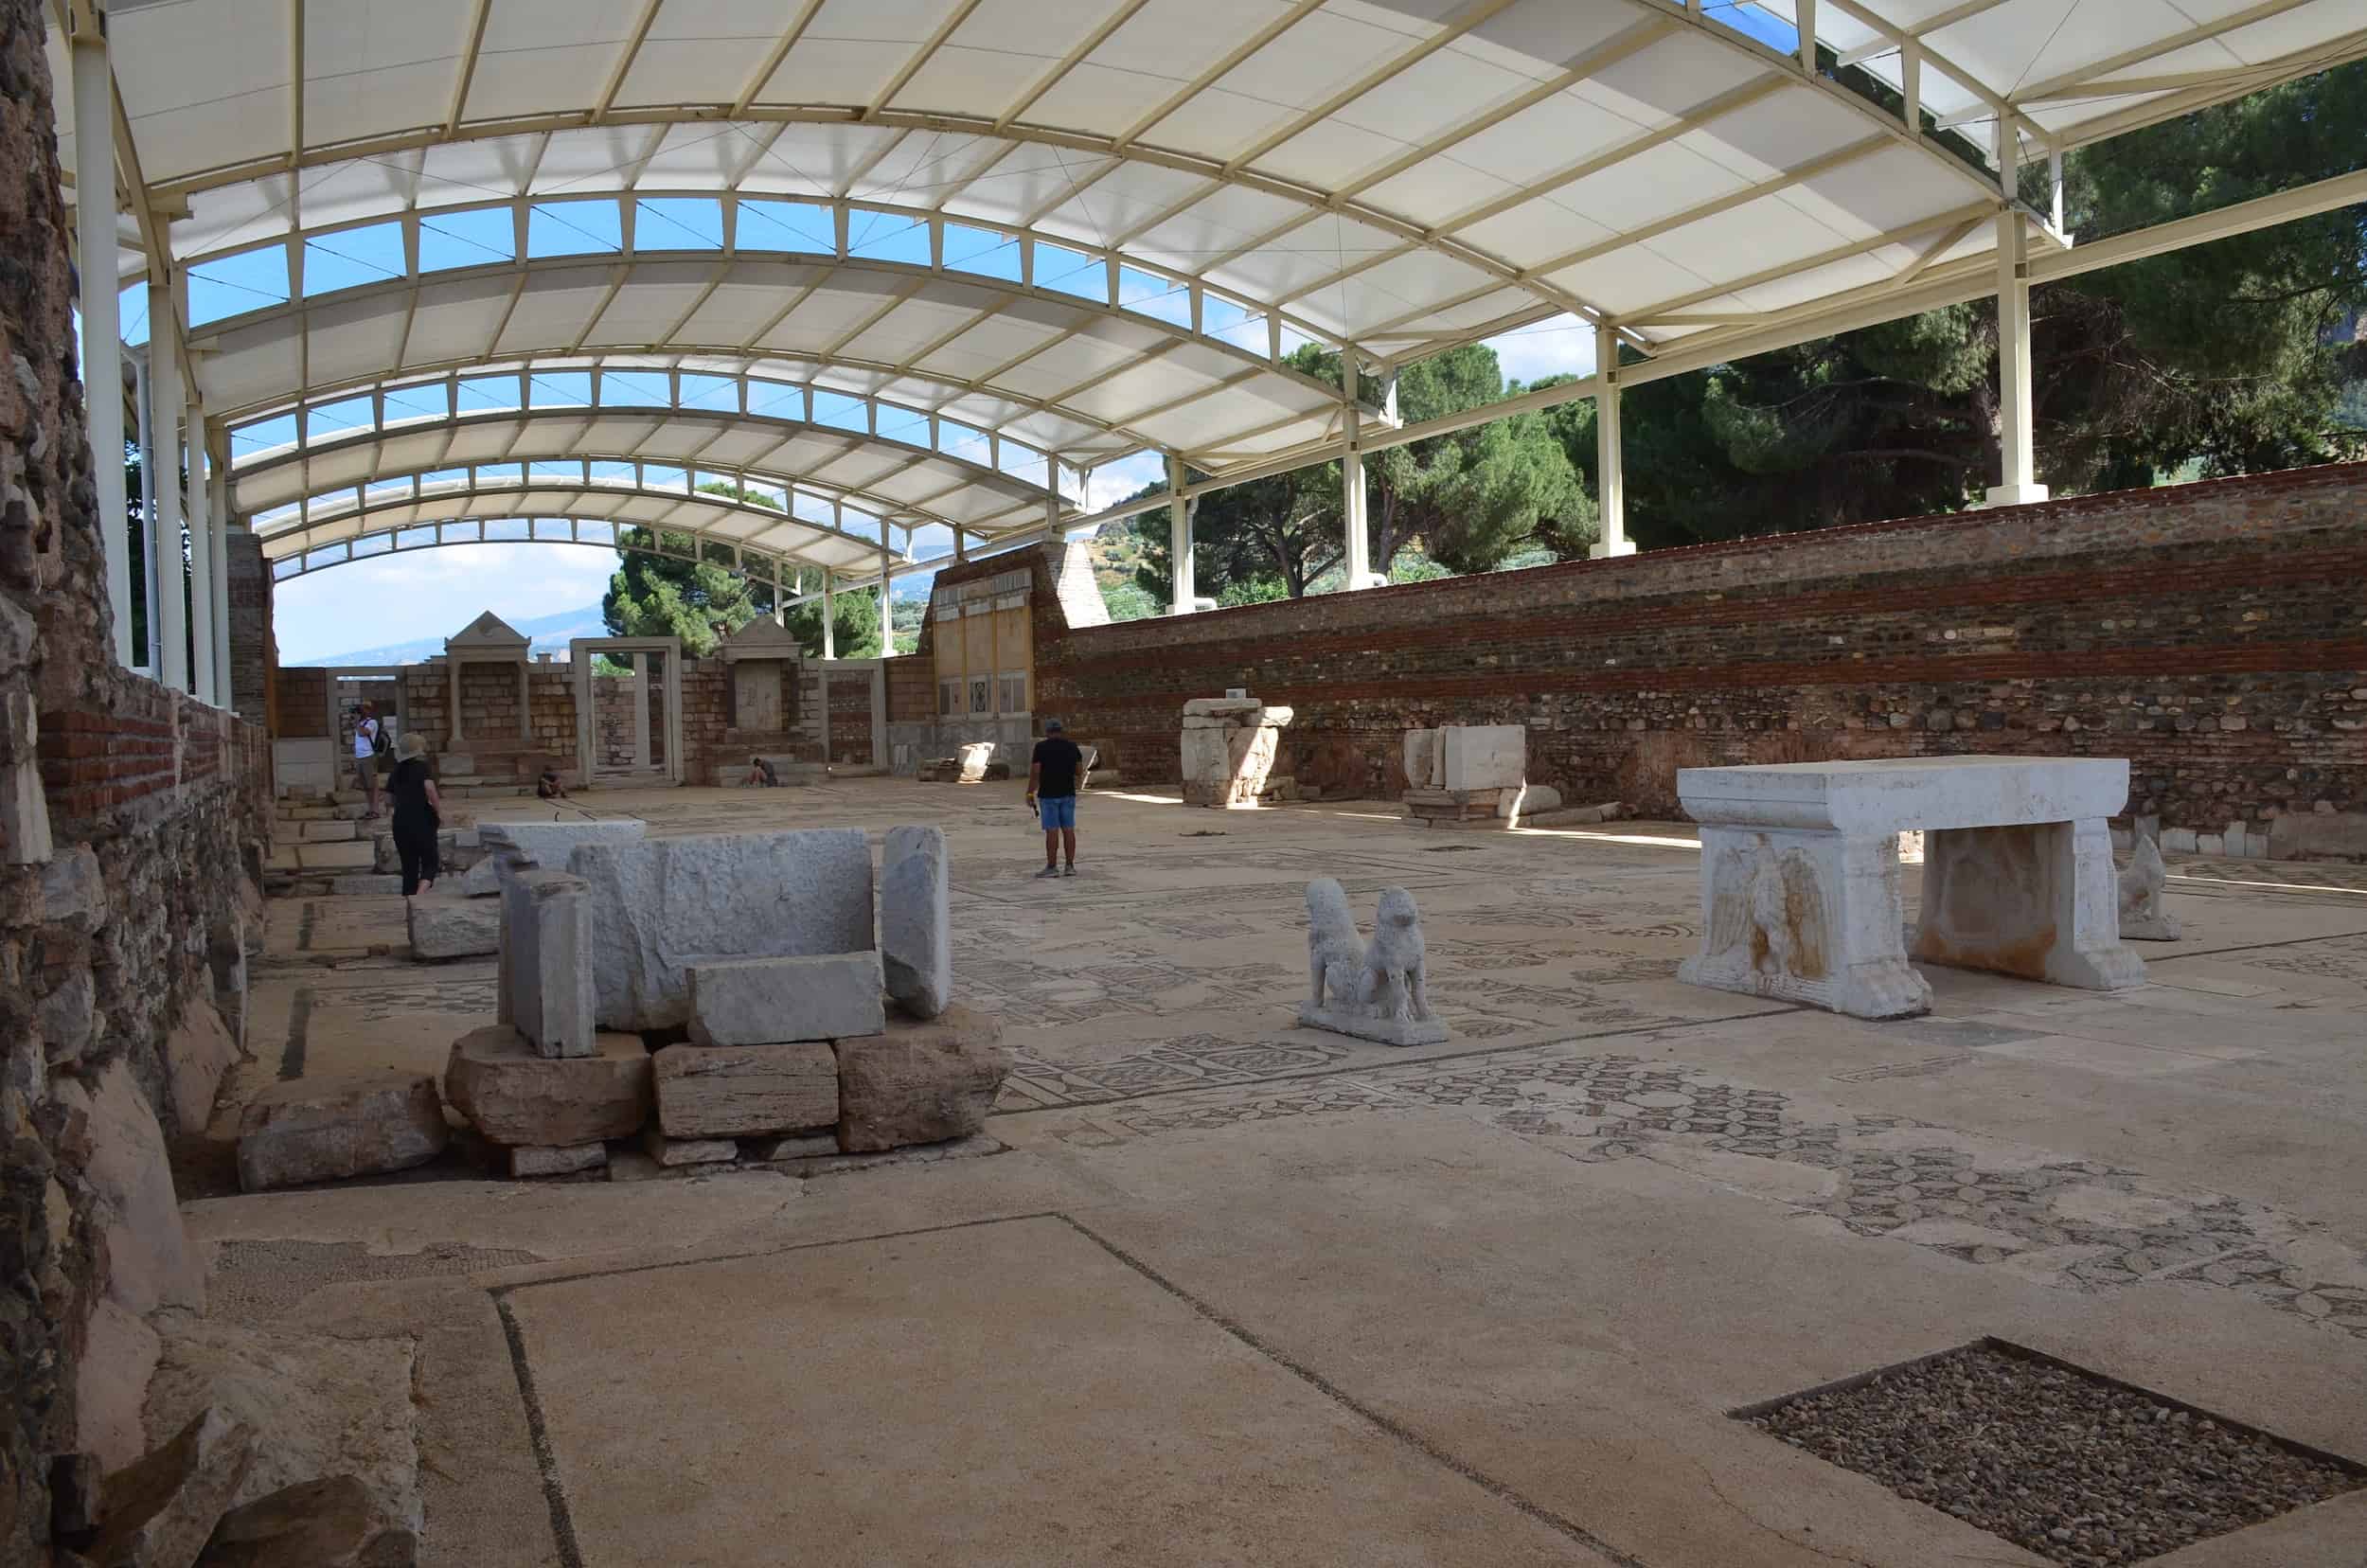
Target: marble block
(545, 986)
(1483, 757)
(915, 920)
(1799, 876)
(771, 1001)
(660, 905)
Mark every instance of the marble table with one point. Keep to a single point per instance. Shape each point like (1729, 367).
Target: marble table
(1800, 883)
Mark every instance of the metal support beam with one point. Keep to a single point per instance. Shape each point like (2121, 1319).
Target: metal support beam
(1610, 481)
(2017, 447)
(887, 600)
(1183, 564)
(830, 631)
(203, 564)
(166, 394)
(95, 263)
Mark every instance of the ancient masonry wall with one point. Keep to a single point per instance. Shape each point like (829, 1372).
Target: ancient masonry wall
(254, 650)
(130, 819)
(2213, 633)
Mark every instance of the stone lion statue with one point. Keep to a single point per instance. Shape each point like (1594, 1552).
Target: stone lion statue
(1335, 953)
(1384, 978)
(1393, 964)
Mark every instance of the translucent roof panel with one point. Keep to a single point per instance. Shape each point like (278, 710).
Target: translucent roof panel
(1098, 226)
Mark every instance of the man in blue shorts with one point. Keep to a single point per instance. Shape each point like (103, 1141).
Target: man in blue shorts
(1052, 793)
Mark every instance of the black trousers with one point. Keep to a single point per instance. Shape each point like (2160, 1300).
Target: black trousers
(415, 843)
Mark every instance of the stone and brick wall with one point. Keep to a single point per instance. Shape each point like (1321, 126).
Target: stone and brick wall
(254, 650)
(132, 817)
(2213, 633)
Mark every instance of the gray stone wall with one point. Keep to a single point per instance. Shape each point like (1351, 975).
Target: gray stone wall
(130, 812)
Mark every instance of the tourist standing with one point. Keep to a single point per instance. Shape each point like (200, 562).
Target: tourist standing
(1051, 791)
(369, 739)
(418, 817)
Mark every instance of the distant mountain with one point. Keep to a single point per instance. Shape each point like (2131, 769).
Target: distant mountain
(550, 634)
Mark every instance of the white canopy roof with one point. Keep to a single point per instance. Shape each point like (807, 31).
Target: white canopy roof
(1104, 220)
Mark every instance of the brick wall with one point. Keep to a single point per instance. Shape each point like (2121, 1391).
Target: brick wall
(2215, 634)
(254, 651)
(302, 694)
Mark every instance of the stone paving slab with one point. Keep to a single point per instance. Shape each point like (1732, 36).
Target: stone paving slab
(1140, 1413)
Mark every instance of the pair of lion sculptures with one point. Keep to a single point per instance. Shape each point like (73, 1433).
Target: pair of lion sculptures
(1379, 979)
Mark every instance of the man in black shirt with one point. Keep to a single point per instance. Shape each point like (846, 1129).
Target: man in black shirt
(1051, 791)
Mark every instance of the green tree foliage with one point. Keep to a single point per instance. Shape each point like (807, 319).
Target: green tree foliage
(653, 596)
(854, 624)
(2220, 358)
(1127, 601)
(1468, 498)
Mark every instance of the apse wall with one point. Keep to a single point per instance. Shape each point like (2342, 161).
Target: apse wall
(2215, 633)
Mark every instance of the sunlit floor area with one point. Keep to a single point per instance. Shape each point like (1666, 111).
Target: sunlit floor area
(1232, 1291)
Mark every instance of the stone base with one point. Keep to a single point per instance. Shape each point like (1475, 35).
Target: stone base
(515, 1095)
(745, 1091)
(536, 1161)
(1389, 1031)
(2149, 928)
(2040, 901)
(670, 1151)
(1805, 915)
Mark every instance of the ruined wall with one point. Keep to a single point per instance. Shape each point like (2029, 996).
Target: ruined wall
(2212, 633)
(254, 650)
(127, 814)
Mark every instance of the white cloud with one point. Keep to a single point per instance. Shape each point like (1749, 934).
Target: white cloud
(432, 593)
(1561, 346)
(1114, 482)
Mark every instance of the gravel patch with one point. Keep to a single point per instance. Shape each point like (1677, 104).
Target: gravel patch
(2076, 1468)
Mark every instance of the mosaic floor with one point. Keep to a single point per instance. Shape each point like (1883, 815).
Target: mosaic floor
(2165, 1178)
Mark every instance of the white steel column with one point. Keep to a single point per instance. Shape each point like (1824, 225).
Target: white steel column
(1610, 480)
(1183, 561)
(166, 395)
(218, 519)
(95, 260)
(203, 564)
(830, 621)
(887, 606)
(1357, 561)
(640, 710)
(2018, 481)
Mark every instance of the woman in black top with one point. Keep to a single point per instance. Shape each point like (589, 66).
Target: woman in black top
(417, 817)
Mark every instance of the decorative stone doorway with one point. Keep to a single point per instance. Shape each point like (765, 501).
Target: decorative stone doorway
(628, 721)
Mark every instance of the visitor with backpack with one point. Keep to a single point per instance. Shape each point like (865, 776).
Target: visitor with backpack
(369, 740)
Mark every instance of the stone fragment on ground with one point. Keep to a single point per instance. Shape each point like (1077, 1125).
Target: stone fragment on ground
(137, 1217)
(331, 1522)
(770, 1001)
(662, 904)
(197, 1053)
(915, 921)
(919, 1081)
(320, 1404)
(314, 1129)
(160, 1509)
(532, 1161)
(669, 1152)
(445, 925)
(515, 1095)
(745, 1091)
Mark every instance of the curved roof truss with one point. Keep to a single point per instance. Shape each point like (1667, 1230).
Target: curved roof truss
(769, 544)
(1331, 163)
(900, 477)
(565, 488)
(370, 539)
(1087, 381)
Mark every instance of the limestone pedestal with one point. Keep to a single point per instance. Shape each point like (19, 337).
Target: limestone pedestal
(1230, 746)
(1800, 879)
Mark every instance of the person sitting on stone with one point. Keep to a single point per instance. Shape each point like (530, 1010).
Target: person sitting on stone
(548, 787)
(760, 775)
